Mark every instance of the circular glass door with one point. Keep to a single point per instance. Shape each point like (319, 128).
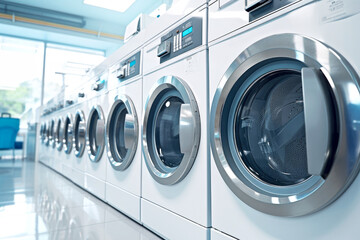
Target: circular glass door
(59, 134)
(122, 133)
(79, 140)
(95, 134)
(52, 133)
(43, 132)
(171, 130)
(279, 128)
(47, 134)
(68, 134)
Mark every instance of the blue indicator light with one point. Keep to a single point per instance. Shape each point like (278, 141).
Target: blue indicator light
(132, 63)
(187, 31)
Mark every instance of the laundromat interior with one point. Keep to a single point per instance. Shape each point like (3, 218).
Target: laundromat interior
(179, 119)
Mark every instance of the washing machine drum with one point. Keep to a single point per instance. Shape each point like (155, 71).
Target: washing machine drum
(171, 132)
(282, 125)
(122, 133)
(95, 134)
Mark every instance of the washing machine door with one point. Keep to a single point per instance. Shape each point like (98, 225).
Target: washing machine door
(95, 133)
(285, 125)
(47, 134)
(68, 134)
(171, 130)
(52, 133)
(122, 133)
(43, 132)
(59, 133)
(79, 140)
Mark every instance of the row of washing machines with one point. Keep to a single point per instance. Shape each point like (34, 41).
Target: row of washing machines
(227, 119)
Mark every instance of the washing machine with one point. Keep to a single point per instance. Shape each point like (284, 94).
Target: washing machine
(123, 131)
(79, 138)
(46, 159)
(284, 126)
(95, 165)
(58, 141)
(176, 174)
(42, 139)
(68, 157)
(51, 148)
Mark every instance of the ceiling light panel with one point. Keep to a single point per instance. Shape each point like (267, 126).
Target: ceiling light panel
(116, 5)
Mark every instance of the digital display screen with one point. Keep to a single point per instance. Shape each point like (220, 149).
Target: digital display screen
(132, 63)
(187, 31)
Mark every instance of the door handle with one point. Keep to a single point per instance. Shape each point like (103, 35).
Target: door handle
(186, 129)
(99, 133)
(129, 131)
(318, 117)
(82, 132)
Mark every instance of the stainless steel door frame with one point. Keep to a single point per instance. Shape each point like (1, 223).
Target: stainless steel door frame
(79, 136)
(59, 133)
(68, 133)
(95, 134)
(52, 133)
(122, 120)
(166, 88)
(47, 133)
(340, 166)
(43, 132)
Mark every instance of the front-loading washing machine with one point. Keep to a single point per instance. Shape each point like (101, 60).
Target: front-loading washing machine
(123, 131)
(95, 166)
(79, 138)
(175, 182)
(68, 157)
(284, 126)
(52, 150)
(42, 140)
(48, 141)
(58, 141)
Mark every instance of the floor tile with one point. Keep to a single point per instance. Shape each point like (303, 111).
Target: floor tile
(38, 203)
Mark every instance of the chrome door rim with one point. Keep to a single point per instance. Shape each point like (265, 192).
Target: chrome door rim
(116, 162)
(59, 134)
(67, 140)
(337, 181)
(43, 132)
(183, 169)
(47, 134)
(52, 133)
(97, 156)
(79, 119)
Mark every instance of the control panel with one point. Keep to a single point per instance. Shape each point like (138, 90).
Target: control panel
(129, 68)
(260, 8)
(99, 84)
(181, 39)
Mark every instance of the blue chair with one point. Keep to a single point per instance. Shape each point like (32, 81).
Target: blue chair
(9, 128)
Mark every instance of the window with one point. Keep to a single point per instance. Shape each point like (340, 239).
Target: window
(21, 64)
(66, 67)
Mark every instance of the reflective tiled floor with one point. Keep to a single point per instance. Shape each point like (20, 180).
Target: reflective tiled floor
(38, 203)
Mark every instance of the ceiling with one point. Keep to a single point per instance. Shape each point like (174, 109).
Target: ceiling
(107, 26)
